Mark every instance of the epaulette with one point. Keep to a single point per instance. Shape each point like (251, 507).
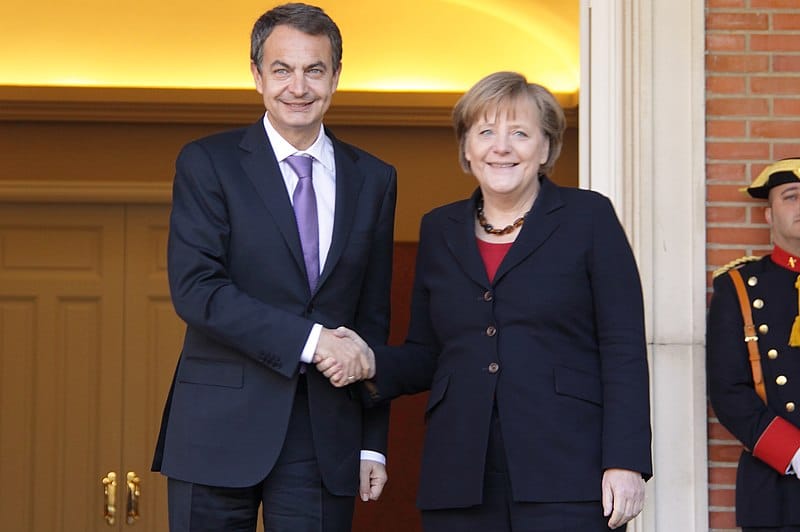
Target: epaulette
(734, 263)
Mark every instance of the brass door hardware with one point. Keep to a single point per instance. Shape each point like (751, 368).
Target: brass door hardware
(110, 497)
(134, 491)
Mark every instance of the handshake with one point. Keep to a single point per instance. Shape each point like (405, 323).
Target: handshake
(343, 357)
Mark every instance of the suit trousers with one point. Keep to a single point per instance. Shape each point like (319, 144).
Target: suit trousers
(293, 496)
(500, 513)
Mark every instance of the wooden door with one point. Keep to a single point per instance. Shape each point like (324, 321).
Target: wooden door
(61, 352)
(88, 344)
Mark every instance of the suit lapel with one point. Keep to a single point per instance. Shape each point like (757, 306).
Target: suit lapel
(349, 181)
(261, 167)
(460, 237)
(539, 225)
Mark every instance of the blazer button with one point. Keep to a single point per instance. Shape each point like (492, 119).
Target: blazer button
(491, 330)
(488, 296)
(494, 367)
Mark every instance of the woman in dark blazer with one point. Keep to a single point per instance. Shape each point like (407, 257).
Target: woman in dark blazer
(527, 327)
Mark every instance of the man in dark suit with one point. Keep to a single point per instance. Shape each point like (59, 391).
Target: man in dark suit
(264, 264)
(754, 359)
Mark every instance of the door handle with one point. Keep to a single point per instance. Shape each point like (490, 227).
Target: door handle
(134, 491)
(110, 496)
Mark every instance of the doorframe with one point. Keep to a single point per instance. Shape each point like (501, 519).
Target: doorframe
(642, 143)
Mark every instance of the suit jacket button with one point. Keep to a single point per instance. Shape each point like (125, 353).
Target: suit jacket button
(494, 367)
(488, 296)
(491, 330)
(309, 309)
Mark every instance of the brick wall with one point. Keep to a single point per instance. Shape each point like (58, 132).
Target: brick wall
(752, 119)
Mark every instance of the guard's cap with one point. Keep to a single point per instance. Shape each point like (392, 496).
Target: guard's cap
(779, 173)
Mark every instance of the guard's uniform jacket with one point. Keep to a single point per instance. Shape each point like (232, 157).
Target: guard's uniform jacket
(766, 496)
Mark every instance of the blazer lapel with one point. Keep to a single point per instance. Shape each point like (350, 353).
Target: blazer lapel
(349, 181)
(539, 225)
(261, 167)
(460, 237)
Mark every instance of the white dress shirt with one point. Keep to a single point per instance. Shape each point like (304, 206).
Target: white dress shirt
(323, 171)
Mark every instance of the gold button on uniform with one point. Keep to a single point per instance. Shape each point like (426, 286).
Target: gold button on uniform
(752, 281)
(491, 330)
(494, 367)
(790, 406)
(763, 328)
(781, 380)
(772, 354)
(758, 303)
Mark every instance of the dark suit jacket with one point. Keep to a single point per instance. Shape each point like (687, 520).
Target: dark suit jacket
(764, 497)
(237, 278)
(556, 340)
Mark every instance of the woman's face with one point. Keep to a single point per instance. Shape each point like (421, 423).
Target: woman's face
(505, 149)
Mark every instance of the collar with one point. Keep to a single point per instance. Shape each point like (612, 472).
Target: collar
(785, 260)
(321, 149)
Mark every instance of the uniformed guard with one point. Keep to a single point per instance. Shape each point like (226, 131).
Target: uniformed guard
(754, 359)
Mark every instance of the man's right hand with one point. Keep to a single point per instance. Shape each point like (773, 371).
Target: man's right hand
(343, 357)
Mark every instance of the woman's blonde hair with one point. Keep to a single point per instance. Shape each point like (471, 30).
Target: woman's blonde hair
(505, 89)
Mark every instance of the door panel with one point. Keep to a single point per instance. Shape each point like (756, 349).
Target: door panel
(154, 335)
(17, 399)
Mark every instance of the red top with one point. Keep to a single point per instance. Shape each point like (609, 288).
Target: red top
(492, 255)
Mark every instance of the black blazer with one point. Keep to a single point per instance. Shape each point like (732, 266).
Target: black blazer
(237, 278)
(556, 340)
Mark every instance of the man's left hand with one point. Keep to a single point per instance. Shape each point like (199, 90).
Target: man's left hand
(373, 479)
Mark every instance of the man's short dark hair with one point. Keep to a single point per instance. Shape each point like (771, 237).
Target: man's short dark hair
(306, 18)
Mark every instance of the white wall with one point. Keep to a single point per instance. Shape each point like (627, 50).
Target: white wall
(642, 118)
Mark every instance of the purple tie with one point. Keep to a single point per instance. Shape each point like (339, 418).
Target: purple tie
(305, 211)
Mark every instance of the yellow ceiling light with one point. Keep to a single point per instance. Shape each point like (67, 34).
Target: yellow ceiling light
(413, 45)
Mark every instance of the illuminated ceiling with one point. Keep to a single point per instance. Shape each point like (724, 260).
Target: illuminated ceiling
(407, 45)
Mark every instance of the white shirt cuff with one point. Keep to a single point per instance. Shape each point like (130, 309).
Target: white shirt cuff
(794, 465)
(307, 355)
(374, 456)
